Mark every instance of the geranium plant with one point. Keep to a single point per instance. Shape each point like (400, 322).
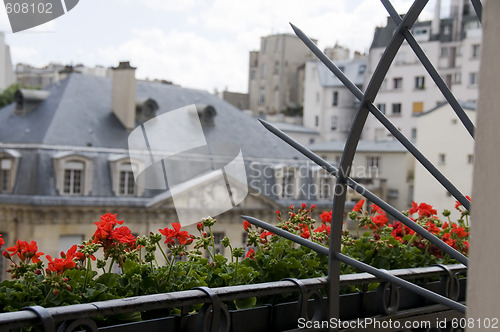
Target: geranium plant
(130, 267)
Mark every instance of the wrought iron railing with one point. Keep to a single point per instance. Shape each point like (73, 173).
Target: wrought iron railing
(341, 173)
(214, 315)
(269, 316)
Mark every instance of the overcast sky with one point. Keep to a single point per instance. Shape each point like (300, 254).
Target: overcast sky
(200, 44)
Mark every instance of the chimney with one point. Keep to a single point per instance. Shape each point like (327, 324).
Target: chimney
(123, 94)
(436, 21)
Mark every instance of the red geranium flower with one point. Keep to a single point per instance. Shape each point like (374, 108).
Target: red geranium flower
(326, 217)
(59, 265)
(246, 224)
(26, 251)
(2, 242)
(250, 254)
(358, 205)
(172, 234)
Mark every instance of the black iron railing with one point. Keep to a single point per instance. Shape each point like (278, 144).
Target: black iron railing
(341, 173)
(385, 303)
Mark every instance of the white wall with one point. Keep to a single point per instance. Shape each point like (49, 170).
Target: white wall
(441, 132)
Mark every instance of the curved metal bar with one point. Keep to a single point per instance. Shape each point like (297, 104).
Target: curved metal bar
(303, 298)
(217, 307)
(478, 8)
(45, 317)
(451, 286)
(359, 265)
(383, 119)
(70, 326)
(368, 194)
(431, 70)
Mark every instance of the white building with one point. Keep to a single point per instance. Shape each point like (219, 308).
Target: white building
(329, 107)
(451, 44)
(384, 168)
(7, 76)
(445, 142)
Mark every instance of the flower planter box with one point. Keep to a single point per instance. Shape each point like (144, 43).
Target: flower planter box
(281, 316)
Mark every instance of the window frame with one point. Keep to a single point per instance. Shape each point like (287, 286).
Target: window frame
(60, 162)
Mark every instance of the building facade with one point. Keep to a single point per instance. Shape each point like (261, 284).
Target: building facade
(65, 161)
(7, 76)
(329, 107)
(446, 143)
(274, 84)
(452, 44)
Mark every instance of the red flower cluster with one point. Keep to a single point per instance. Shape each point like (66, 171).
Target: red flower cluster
(183, 237)
(108, 236)
(424, 210)
(379, 219)
(246, 225)
(250, 254)
(322, 228)
(59, 265)
(304, 231)
(25, 251)
(326, 217)
(2, 242)
(399, 230)
(358, 205)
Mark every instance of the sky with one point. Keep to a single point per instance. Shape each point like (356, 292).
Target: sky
(202, 44)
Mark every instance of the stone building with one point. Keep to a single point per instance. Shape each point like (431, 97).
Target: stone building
(65, 160)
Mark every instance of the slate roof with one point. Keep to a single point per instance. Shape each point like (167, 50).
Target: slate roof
(77, 116)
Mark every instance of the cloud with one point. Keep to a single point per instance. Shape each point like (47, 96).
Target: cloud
(171, 5)
(182, 57)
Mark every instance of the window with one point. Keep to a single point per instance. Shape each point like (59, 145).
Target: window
(457, 78)
(444, 51)
(262, 95)
(264, 46)
(325, 186)
(441, 159)
(419, 82)
(475, 51)
(316, 120)
(5, 174)
(335, 122)
(276, 67)
(253, 74)
(473, 79)
(470, 159)
(413, 134)
(396, 109)
(362, 69)
(285, 178)
(335, 99)
(381, 107)
(277, 45)
(397, 83)
(67, 241)
(393, 193)
(73, 177)
(373, 163)
(263, 71)
(127, 182)
(418, 107)
(9, 160)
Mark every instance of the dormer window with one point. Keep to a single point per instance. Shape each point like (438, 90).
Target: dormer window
(122, 175)
(73, 174)
(5, 174)
(8, 167)
(73, 177)
(127, 183)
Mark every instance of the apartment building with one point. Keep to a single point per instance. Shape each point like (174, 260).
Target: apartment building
(453, 46)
